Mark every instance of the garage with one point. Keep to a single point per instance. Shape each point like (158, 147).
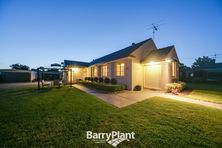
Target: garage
(152, 76)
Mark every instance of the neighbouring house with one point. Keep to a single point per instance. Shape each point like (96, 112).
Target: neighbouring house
(139, 64)
(12, 75)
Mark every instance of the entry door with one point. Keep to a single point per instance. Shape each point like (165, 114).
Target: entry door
(152, 76)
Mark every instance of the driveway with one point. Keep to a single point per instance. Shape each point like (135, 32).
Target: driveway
(125, 98)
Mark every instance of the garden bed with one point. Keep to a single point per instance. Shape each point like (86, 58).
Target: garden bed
(103, 86)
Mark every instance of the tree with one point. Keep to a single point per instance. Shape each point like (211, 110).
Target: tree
(183, 67)
(19, 67)
(203, 61)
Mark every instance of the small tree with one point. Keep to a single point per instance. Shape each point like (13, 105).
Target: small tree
(204, 61)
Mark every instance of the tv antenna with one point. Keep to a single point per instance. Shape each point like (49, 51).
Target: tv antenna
(155, 28)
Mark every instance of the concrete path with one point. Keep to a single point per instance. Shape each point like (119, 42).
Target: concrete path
(126, 98)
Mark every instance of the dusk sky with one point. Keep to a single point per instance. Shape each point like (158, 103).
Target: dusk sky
(42, 32)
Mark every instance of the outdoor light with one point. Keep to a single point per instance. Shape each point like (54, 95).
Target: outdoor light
(168, 60)
(75, 69)
(152, 63)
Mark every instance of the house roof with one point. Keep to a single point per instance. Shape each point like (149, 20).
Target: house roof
(154, 55)
(75, 63)
(119, 54)
(160, 54)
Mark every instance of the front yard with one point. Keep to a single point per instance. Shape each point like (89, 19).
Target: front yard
(206, 92)
(60, 117)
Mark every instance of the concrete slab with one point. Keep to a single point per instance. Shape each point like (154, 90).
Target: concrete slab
(126, 98)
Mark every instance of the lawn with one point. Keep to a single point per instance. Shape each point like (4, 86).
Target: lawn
(61, 117)
(206, 92)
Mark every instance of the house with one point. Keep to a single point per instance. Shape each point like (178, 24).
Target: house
(139, 64)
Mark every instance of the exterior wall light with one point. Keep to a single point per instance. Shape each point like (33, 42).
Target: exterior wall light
(75, 69)
(168, 60)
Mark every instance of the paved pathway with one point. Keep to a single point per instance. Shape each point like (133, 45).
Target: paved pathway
(126, 98)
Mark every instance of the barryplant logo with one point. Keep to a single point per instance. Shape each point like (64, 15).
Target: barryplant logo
(113, 138)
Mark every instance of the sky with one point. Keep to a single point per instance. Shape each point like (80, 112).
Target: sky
(41, 32)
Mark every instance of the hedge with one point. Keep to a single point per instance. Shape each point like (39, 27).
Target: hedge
(104, 87)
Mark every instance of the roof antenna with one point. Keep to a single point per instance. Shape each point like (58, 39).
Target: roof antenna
(155, 28)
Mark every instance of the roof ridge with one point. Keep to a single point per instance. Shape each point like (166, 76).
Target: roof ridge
(166, 47)
(133, 46)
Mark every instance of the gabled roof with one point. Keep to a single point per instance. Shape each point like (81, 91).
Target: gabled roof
(160, 54)
(75, 63)
(119, 54)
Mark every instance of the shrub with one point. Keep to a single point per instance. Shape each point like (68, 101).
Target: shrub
(107, 80)
(113, 81)
(137, 88)
(78, 80)
(104, 87)
(100, 80)
(175, 88)
(95, 79)
(86, 78)
(91, 79)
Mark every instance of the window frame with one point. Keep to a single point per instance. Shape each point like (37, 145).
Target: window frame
(94, 71)
(120, 69)
(104, 70)
(174, 69)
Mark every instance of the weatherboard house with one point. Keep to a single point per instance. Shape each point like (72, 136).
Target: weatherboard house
(139, 64)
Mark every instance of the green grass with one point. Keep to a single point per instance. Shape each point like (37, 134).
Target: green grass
(206, 92)
(210, 96)
(61, 117)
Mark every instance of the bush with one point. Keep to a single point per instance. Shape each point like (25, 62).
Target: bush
(104, 87)
(100, 80)
(175, 88)
(91, 79)
(95, 79)
(137, 88)
(107, 80)
(78, 80)
(113, 81)
(87, 78)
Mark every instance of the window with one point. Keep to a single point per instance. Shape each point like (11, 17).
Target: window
(174, 69)
(104, 70)
(120, 69)
(94, 71)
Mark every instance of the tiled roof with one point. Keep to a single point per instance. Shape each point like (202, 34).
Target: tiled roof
(159, 54)
(119, 54)
(156, 55)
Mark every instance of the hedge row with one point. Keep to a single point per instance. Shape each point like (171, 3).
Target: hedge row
(100, 79)
(104, 87)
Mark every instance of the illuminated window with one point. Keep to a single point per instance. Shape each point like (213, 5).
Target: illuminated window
(104, 70)
(174, 69)
(94, 71)
(120, 69)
